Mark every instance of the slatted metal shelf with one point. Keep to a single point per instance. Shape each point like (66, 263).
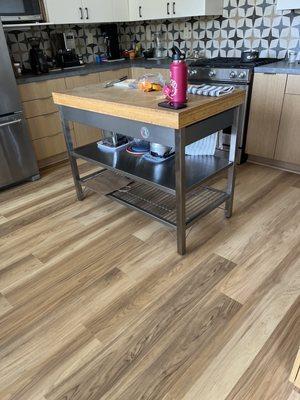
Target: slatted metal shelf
(162, 206)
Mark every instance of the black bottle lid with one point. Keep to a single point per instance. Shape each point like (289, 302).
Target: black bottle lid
(177, 54)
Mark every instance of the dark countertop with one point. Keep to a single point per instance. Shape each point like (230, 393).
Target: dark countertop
(93, 68)
(281, 67)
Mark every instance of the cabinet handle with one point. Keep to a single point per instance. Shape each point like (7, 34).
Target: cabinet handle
(87, 13)
(140, 11)
(174, 10)
(168, 8)
(81, 12)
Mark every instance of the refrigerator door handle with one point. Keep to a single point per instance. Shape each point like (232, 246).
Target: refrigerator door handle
(16, 121)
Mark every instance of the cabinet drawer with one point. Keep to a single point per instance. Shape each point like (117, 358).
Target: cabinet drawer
(82, 80)
(44, 125)
(41, 90)
(114, 74)
(34, 108)
(293, 84)
(49, 146)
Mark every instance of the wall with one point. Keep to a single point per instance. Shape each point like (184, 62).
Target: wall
(244, 24)
(89, 41)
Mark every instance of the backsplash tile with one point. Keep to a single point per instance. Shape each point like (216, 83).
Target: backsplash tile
(245, 24)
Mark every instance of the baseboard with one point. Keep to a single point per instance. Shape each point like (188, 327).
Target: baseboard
(284, 166)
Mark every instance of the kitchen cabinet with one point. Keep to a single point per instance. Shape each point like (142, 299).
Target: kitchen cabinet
(160, 9)
(288, 143)
(183, 8)
(86, 11)
(64, 12)
(288, 4)
(266, 106)
(84, 134)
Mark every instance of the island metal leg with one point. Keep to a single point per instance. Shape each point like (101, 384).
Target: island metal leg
(73, 162)
(180, 190)
(232, 169)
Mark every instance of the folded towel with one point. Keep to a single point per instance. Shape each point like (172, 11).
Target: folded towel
(210, 90)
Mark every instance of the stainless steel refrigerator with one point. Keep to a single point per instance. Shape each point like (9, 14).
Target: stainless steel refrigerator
(17, 159)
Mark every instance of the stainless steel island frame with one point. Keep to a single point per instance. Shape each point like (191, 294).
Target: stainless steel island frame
(173, 192)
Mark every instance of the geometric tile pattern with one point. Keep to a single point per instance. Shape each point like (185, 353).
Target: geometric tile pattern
(245, 24)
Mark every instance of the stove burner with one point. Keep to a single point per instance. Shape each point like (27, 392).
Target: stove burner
(222, 62)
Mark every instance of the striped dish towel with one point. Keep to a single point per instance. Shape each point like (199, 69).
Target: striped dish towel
(210, 90)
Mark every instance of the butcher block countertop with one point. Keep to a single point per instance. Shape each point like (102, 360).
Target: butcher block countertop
(136, 105)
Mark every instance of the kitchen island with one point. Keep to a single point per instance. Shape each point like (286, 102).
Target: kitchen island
(174, 191)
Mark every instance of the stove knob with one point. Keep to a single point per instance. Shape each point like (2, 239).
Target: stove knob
(233, 74)
(242, 75)
(212, 74)
(192, 72)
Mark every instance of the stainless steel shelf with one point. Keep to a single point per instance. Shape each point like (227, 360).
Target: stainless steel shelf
(198, 169)
(162, 206)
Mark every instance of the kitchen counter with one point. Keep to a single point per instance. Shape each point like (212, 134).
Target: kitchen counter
(92, 68)
(281, 67)
(171, 191)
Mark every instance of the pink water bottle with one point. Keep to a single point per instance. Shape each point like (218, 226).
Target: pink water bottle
(179, 77)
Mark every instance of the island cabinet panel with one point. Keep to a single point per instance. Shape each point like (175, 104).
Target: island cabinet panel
(288, 144)
(84, 134)
(265, 113)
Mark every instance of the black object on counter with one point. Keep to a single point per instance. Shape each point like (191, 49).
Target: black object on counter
(37, 58)
(249, 56)
(110, 34)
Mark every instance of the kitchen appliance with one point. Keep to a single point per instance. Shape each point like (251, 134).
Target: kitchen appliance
(239, 74)
(111, 40)
(37, 58)
(18, 11)
(17, 159)
(64, 50)
(249, 56)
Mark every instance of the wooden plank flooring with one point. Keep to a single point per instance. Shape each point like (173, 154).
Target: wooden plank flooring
(96, 304)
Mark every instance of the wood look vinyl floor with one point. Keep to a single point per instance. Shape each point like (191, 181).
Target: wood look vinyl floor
(96, 304)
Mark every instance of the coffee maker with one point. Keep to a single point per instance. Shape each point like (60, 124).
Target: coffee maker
(37, 58)
(111, 40)
(63, 49)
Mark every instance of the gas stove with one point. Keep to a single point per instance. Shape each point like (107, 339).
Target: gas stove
(224, 70)
(229, 72)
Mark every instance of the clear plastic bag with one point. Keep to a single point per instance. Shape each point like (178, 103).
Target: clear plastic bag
(151, 82)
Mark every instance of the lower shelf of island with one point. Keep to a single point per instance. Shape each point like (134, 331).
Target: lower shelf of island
(161, 175)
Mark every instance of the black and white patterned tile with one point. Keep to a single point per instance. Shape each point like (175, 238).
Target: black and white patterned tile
(245, 24)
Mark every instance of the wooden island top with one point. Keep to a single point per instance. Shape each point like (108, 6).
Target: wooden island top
(136, 105)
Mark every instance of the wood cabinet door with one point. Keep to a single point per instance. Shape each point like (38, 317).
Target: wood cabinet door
(40, 90)
(82, 80)
(265, 114)
(288, 143)
(64, 11)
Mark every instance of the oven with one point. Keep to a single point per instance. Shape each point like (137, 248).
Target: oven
(12, 11)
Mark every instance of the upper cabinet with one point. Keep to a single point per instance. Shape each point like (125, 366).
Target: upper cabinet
(64, 12)
(162, 9)
(86, 11)
(288, 4)
(97, 11)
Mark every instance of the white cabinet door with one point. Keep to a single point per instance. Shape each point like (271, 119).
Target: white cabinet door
(147, 9)
(288, 4)
(121, 10)
(64, 12)
(98, 11)
(188, 8)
